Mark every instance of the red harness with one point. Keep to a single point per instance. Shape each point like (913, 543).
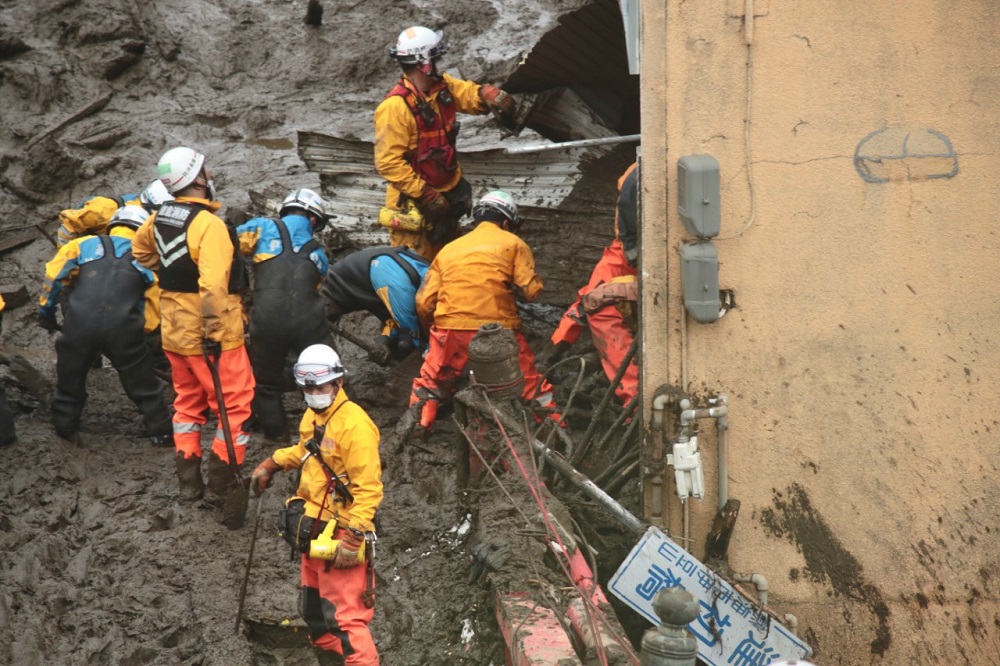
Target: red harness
(435, 158)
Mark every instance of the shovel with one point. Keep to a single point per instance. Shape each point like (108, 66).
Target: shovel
(238, 496)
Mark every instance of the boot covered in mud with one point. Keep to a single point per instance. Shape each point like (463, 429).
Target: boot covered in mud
(225, 492)
(328, 658)
(219, 480)
(192, 488)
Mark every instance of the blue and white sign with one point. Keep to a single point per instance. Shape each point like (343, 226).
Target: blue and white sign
(731, 630)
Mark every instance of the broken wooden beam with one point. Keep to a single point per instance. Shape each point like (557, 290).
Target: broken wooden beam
(14, 241)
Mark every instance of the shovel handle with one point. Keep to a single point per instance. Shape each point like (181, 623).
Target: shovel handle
(227, 433)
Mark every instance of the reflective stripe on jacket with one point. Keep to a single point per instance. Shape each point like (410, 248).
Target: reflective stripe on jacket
(469, 282)
(213, 313)
(350, 449)
(396, 138)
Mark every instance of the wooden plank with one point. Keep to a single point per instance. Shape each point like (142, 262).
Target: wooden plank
(14, 295)
(14, 241)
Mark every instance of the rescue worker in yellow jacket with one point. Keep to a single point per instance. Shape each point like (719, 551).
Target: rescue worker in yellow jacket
(415, 133)
(339, 491)
(8, 435)
(94, 214)
(201, 277)
(113, 301)
(471, 282)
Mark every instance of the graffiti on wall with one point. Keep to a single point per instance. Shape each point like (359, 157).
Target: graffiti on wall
(897, 154)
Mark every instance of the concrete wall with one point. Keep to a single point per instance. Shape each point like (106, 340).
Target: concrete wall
(862, 364)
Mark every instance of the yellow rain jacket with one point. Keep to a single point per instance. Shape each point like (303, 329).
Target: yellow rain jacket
(396, 138)
(2, 303)
(211, 314)
(350, 449)
(90, 218)
(71, 251)
(469, 282)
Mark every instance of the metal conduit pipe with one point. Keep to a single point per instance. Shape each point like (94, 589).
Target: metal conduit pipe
(720, 412)
(758, 581)
(657, 458)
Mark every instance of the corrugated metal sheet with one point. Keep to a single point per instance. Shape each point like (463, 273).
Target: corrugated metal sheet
(566, 197)
(587, 53)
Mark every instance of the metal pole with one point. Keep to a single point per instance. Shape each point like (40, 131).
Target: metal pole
(582, 143)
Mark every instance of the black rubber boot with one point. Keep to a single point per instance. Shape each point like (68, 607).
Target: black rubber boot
(328, 658)
(192, 488)
(219, 480)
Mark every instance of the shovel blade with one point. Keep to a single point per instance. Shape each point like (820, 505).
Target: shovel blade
(234, 511)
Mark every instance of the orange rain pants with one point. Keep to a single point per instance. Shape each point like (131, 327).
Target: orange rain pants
(330, 602)
(447, 354)
(196, 393)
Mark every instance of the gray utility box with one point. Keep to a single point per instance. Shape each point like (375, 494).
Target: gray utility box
(698, 195)
(700, 281)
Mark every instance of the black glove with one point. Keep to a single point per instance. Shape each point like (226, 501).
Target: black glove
(404, 346)
(559, 350)
(380, 352)
(47, 321)
(212, 349)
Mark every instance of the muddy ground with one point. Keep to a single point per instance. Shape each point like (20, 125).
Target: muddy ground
(98, 562)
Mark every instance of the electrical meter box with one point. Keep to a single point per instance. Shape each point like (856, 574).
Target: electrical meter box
(698, 195)
(700, 281)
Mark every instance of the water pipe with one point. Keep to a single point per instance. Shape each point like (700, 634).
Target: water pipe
(758, 581)
(657, 516)
(792, 623)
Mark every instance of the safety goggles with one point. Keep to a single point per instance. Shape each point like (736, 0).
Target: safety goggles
(314, 374)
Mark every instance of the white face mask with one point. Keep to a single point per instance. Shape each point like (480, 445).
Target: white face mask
(210, 185)
(318, 401)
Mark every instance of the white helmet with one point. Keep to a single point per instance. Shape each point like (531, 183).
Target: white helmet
(155, 195)
(501, 202)
(179, 167)
(306, 200)
(418, 45)
(317, 365)
(129, 216)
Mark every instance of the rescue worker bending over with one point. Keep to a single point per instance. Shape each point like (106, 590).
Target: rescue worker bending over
(415, 133)
(288, 310)
(336, 437)
(112, 302)
(382, 281)
(8, 435)
(472, 282)
(94, 214)
(201, 276)
(607, 305)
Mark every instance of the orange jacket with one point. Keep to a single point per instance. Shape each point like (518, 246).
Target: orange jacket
(211, 314)
(396, 137)
(613, 267)
(469, 282)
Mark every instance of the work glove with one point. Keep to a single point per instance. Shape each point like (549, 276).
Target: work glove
(261, 478)
(559, 350)
(212, 349)
(380, 352)
(47, 321)
(500, 102)
(433, 204)
(347, 552)
(404, 346)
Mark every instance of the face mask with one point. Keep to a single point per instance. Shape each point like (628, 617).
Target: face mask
(318, 401)
(210, 186)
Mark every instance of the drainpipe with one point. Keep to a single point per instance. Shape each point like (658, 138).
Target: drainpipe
(722, 441)
(657, 515)
(792, 623)
(758, 581)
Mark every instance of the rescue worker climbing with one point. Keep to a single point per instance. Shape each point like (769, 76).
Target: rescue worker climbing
(288, 310)
(8, 433)
(382, 281)
(112, 302)
(415, 133)
(201, 276)
(339, 491)
(473, 281)
(607, 304)
(94, 214)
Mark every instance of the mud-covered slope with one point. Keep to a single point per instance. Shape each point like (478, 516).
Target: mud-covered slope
(98, 562)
